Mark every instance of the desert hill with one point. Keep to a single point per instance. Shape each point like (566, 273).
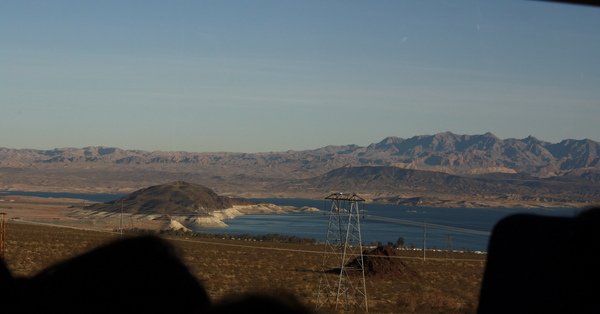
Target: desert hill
(175, 198)
(393, 178)
(419, 184)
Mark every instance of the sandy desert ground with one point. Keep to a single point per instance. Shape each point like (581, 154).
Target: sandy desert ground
(40, 232)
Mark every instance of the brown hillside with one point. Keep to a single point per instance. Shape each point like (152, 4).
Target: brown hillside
(175, 198)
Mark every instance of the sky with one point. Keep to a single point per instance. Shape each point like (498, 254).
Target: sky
(253, 76)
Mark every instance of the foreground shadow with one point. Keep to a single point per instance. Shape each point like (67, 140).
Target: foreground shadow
(137, 275)
(539, 264)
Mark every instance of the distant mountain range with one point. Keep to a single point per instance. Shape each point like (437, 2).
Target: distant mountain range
(444, 170)
(442, 152)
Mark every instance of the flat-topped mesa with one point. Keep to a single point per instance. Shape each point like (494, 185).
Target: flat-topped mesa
(175, 198)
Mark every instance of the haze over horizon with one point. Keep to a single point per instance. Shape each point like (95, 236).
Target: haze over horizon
(303, 149)
(277, 76)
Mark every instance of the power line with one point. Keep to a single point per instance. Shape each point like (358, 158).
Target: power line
(429, 225)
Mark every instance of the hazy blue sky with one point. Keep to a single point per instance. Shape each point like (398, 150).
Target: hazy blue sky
(277, 75)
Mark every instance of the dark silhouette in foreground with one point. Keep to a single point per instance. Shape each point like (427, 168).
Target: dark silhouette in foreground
(285, 303)
(539, 264)
(137, 275)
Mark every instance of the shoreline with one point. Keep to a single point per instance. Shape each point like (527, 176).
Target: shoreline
(409, 200)
(70, 212)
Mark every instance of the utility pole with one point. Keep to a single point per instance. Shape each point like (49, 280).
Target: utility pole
(424, 238)
(343, 255)
(2, 235)
(450, 251)
(122, 219)
(121, 223)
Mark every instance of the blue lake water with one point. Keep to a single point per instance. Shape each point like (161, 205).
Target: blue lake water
(88, 197)
(456, 228)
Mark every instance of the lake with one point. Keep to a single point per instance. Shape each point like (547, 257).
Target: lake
(88, 197)
(446, 228)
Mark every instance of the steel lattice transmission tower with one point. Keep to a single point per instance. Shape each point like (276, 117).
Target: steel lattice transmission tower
(342, 282)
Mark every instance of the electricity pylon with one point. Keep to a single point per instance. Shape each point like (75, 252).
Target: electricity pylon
(343, 256)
